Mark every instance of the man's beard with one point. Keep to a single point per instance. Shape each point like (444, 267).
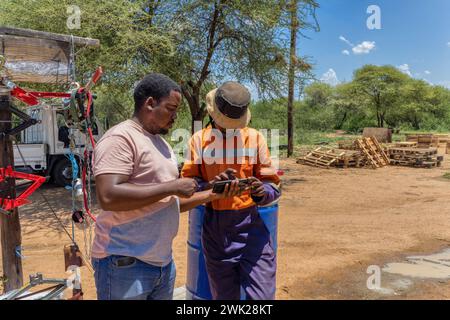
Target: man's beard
(163, 131)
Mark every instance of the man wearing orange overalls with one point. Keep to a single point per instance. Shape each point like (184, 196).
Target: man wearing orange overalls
(237, 245)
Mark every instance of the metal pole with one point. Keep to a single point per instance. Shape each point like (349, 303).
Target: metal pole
(10, 231)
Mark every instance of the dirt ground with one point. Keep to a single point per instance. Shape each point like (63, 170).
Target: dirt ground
(333, 224)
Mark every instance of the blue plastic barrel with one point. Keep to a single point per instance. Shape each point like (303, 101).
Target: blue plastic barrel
(197, 284)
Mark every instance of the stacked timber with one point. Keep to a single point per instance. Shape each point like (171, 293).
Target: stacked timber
(406, 144)
(351, 158)
(415, 157)
(347, 145)
(373, 152)
(365, 152)
(320, 157)
(442, 138)
(425, 140)
(323, 157)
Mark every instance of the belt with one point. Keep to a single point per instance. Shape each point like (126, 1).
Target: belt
(125, 261)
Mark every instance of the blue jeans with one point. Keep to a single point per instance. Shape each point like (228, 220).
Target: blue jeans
(126, 278)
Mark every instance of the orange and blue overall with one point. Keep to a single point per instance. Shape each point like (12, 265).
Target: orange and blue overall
(239, 255)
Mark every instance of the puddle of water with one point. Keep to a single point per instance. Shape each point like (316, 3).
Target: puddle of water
(401, 284)
(435, 266)
(386, 291)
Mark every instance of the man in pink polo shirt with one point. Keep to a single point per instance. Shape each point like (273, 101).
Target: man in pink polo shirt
(139, 190)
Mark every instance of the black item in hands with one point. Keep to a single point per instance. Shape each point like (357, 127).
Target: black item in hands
(219, 187)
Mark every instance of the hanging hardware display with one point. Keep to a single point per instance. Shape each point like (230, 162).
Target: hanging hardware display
(76, 105)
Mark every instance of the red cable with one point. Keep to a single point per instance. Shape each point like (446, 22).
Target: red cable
(87, 115)
(91, 136)
(88, 108)
(86, 158)
(83, 182)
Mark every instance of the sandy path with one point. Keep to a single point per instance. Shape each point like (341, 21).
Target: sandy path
(335, 223)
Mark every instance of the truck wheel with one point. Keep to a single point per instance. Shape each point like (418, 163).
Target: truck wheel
(62, 173)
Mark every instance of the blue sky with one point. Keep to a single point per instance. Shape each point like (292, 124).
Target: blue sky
(414, 36)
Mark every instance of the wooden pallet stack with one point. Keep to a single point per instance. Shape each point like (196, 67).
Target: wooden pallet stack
(325, 158)
(347, 145)
(425, 140)
(367, 152)
(406, 144)
(319, 157)
(351, 158)
(443, 139)
(373, 152)
(364, 152)
(415, 157)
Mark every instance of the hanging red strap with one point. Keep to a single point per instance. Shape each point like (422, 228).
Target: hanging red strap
(91, 137)
(83, 182)
(8, 172)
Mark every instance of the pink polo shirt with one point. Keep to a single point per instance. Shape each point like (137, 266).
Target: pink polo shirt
(147, 159)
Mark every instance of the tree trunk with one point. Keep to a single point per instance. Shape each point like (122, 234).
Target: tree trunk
(291, 76)
(341, 123)
(197, 118)
(416, 123)
(192, 91)
(11, 237)
(198, 112)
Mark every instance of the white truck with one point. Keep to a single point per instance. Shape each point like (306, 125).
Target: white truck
(44, 146)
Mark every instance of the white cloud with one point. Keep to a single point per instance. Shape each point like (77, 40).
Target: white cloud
(427, 72)
(405, 69)
(346, 41)
(364, 48)
(448, 44)
(444, 84)
(330, 77)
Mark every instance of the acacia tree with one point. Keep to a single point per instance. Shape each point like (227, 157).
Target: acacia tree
(226, 40)
(381, 85)
(420, 101)
(346, 103)
(199, 43)
(132, 40)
